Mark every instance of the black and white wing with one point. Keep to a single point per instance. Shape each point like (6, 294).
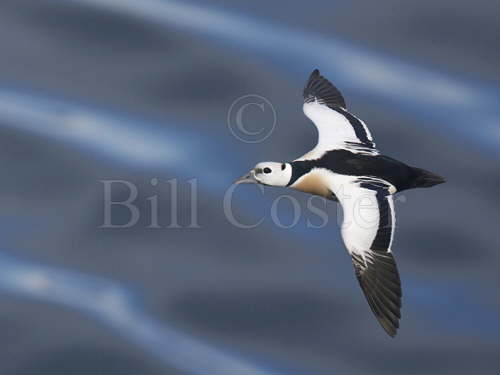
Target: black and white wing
(368, 231)
(337, 128)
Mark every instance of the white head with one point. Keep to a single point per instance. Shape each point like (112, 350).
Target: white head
(268, 173)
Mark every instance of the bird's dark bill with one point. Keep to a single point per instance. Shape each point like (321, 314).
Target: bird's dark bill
(249, 178)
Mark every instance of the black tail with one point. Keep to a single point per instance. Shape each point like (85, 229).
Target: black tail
(425, 178)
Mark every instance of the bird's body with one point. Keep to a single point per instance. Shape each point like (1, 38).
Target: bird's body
(305, 175)
(346, 166)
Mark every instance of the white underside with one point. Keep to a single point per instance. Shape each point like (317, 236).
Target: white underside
(335, 132)
(360, 210)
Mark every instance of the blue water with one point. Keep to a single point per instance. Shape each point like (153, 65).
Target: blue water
(217, 299)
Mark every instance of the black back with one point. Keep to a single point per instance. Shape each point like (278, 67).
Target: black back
(345, 162)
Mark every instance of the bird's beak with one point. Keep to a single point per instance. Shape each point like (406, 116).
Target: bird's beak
(249, 178)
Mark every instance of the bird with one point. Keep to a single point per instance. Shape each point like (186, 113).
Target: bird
(345, 166)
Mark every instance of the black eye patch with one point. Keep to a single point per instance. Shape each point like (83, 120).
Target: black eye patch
(267, 170)
(283, 166)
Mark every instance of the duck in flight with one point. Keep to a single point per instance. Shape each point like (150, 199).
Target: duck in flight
(345, 166)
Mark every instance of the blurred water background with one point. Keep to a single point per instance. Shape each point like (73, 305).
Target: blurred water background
(100, 90)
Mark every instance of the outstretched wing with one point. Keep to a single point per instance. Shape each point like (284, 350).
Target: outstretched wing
(367, 231)
(337, 128)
